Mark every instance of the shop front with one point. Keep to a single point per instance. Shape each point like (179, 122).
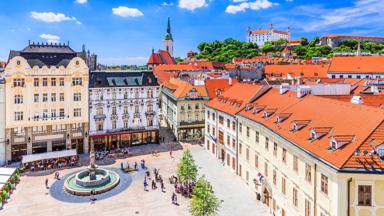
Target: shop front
(124, 139)
(190, 132)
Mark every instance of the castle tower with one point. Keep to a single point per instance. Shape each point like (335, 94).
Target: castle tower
(168, 40)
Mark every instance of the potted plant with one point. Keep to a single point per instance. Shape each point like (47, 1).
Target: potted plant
(1, 202)
(4, 195)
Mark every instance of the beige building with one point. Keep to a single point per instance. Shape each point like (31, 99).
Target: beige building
(323, 163)
(305, 155)
(182, 106)
(46, 88)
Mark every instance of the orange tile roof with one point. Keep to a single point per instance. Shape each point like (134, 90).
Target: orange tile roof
(234, 99)
(352, 36)
(161, 57)
(214, 85)
(175, 67)
(180, 88)
(357, 64)
(163, 76)
(296, 70)
(260, 31)
(369, 100)
(344, 119)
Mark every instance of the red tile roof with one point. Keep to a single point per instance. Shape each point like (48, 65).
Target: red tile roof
(175, 67)
(164, 76)
(357, 64)
(214, 86)
(296, 70)
(161, 57)
(234, 99)
(352, 36)
(343, 119)
(180, 88)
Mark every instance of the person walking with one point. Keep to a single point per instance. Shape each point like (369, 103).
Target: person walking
(174, 198)
(170, 153)
(135, 165)
(153, 184)
(145, 184)
(162, 185)
(121, 166)
(93, 195)
(46, 183)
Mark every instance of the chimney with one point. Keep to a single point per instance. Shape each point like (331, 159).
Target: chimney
(284, 87)
(303, 90)
(357, 100)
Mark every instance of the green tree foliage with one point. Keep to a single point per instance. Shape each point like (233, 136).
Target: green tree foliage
(204, 202)
(186, 168)
(303, 41)
(178, 60)
(225, 51)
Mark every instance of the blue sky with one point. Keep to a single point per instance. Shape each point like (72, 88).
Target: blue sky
(125, 31)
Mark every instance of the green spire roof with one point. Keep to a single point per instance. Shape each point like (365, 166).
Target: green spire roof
(168, 35)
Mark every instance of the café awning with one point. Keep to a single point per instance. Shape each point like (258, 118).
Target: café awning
(4, 179)
(7, 171)
(48, 155)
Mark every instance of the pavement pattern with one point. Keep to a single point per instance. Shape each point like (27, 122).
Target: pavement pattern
(32, 198)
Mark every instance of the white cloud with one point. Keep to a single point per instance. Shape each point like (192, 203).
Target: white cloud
(81, 1)
(127, 12)
(362, 14)
(255, 5)
(50, 17)
(192, 4)
(50, 38)
(236, 1)
(166, 4)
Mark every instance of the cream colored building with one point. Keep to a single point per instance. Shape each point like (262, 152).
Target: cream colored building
(301, 162)
(182, 106)
(46, 87)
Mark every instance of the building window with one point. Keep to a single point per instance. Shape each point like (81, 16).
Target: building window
(18, 82)
(365, 195)
(77, 96)
(45, 81)
(274, 176)
(266, 143)
(308, 173)
(61, 80)
(324, 184)
(221, 120)
(125, 109)
(257, 136)
(61, 112)
(233, 126)
(295, 163)
(265, 169)
(256, 161)
(53, 113)
(240, 148)
(36, 98)
(283, 185)
(228, 140)
(99, 111)
(53, 97)
(19, 116)
(228, 123)
(275, 149)
(45, 97)
(125, 123)
(114, 124)
(136, 108)
(99, 125)
(247, 132)
(77, 81)
(53, 81)
(114, 110)
(295, 197)
(36, 82)
(61, 96)
(247, 154)
(240, 127)
(18, 99)
(77, 112)
(213, 116)
(307, 207)
(284, 155)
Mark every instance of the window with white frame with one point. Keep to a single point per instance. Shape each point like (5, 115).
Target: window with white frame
(19, 116)
(18, 99)
(77, 112)
(77, 96)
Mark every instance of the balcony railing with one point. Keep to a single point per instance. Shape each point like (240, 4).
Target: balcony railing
(191, 122)
(150, 113)
(99, 117)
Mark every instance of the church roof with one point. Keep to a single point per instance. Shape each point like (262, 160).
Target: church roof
(161, 57)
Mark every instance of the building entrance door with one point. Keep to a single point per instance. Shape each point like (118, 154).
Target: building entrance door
(222, 155)
(266, 197)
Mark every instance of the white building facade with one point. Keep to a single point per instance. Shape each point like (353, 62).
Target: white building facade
(46, 88)
(261, 36)
(123, 109)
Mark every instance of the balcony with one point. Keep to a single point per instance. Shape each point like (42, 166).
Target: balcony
(182, 123)
(99, 117)
(130, 129)
(150, 113)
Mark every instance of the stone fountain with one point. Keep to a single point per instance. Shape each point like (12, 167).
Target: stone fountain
(91, 179)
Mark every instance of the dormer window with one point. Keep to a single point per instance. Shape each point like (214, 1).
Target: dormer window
(318, 132)
(338, 141)
(269, 112)
(257, 109)
(248, 107)
(282, 116)
(299, 124)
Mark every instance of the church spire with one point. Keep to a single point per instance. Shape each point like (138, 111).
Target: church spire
(168, 35)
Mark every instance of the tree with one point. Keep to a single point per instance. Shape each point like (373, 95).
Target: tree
(268, 47)
(204, 202)
(186, 168)
(178, 59)
(303, 41)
